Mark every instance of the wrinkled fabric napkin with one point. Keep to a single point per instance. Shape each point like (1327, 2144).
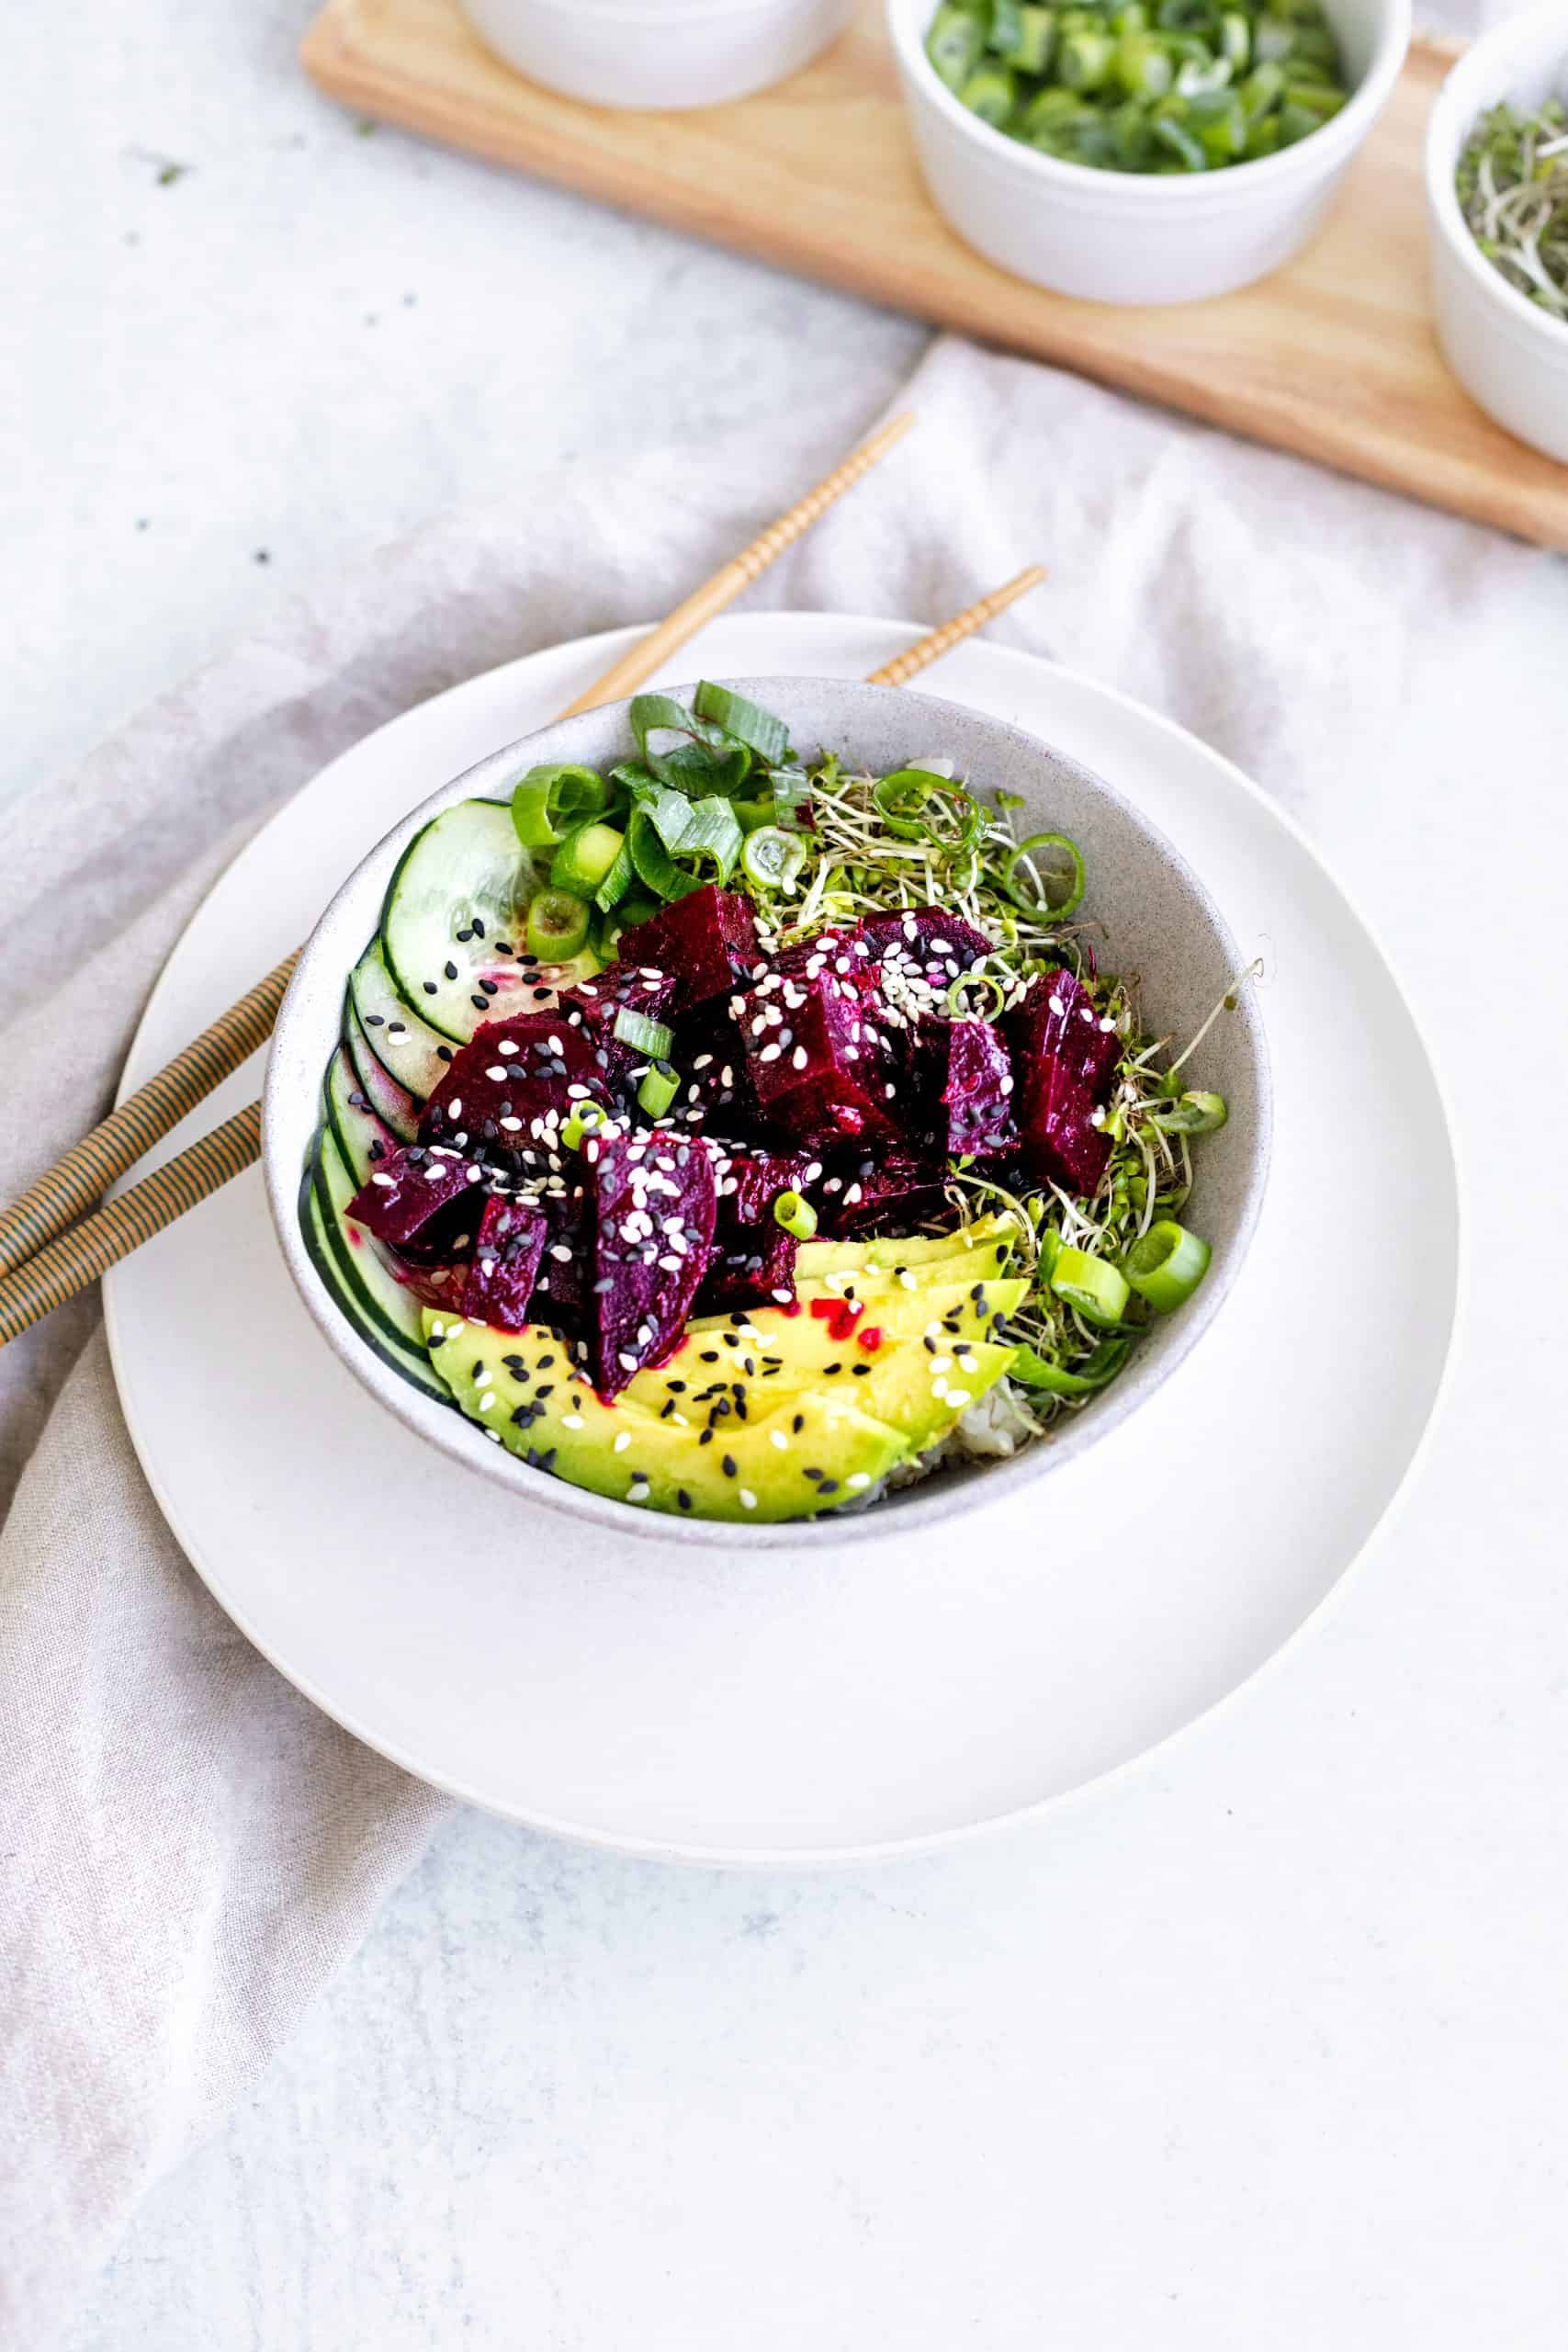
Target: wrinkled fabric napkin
(189, 1848)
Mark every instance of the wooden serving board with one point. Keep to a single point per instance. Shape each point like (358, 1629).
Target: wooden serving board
(1333, 357)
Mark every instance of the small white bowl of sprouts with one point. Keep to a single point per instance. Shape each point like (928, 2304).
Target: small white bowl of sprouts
(1497, 208)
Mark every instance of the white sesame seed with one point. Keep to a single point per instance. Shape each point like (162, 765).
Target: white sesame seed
(494, 1435)
(622, 1439)
(507, 1046)
(511, 1125)
(388, 1181)
(555, 1047)
(455, 1108)
(959, 1396)
(559, 1250)
(858, 1478)
(571, 1420)
(487, 1400)
(799, 1057)
(495, 1071)
(778, 1438)
(748, 1499)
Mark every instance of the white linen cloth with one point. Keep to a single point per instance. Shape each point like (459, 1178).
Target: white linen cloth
(189, 1848)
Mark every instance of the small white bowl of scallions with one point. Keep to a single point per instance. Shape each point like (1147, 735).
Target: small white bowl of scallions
(1142, 150)
(1497, 208)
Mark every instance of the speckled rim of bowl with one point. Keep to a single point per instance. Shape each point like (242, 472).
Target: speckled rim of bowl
(1455, 112)
(309, 1019)
(1195, 191)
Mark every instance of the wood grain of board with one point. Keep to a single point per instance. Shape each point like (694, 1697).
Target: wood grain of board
(1332, 357)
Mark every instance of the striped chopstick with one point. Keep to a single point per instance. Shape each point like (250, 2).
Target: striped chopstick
(79, 1256)
(61, 1267)
(927, 650)
(81, 1178)
(90, 1167)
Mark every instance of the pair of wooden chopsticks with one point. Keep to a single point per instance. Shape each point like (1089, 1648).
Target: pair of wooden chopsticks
(46, 1256)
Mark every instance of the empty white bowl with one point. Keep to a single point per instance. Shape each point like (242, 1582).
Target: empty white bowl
(1132, 236)
(657, 53)
(1509, 354)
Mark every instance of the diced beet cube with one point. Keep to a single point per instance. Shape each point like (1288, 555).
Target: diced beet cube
(716, 1077)
(1064, 1060)
(753, 1257)
(819, 1057)
(410, 1192)
(707, 940)
(890, 1191)
(591, 1006)
(937, 946)
(505, 1265)
(655, 1202)
(512, 1084)
(976, 1090)
(1059, 1138)
(1057, 1019)
(762, 1274)
(565, 1284)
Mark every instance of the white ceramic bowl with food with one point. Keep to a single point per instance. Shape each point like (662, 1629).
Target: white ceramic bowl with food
(1509, 354)
(657, 53)
(1133, 236)
(1150, 918)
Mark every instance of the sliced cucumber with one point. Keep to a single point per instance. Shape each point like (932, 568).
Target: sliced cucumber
(391, 1305)
(322, 1242)
(361, 1136)
(408, 1049)
(392, 1104)
(460, 892)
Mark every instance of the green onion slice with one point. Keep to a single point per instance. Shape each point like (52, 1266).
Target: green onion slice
(791, 800)
(918, 806)
(708, 758)
(773, 858)
(992, 999)
(617, 880)
(585, 857)
(796, 1214)
(1096, 1288)
(1166, 1266)
(746, 722)
(645, 1036)
(549, 801)
(1053, 866)
(558, 926)
(661, 1085)
(1036, 1371)
(582, 1119)
(676, 843)
(1195, 1114)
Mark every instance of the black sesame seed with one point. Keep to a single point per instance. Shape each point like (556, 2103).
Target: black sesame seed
(728, 1467)
(684, 1499)
(443, 1053)
(479, 928)
(799, 1423)
(451, 974)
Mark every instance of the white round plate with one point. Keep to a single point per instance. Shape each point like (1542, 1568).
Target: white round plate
(828, 1707)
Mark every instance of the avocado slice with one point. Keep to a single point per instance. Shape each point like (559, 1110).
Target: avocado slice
(985, 1264)
(958, 1310)
(816, 1259)
(917, 1378)
(810, 1453)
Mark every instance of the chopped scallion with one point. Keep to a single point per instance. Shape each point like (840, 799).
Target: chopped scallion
(659, 1086)
(796, 1214)
(1165, 1267)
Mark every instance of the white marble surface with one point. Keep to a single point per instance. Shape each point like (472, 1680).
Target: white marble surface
(1264, 2045)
